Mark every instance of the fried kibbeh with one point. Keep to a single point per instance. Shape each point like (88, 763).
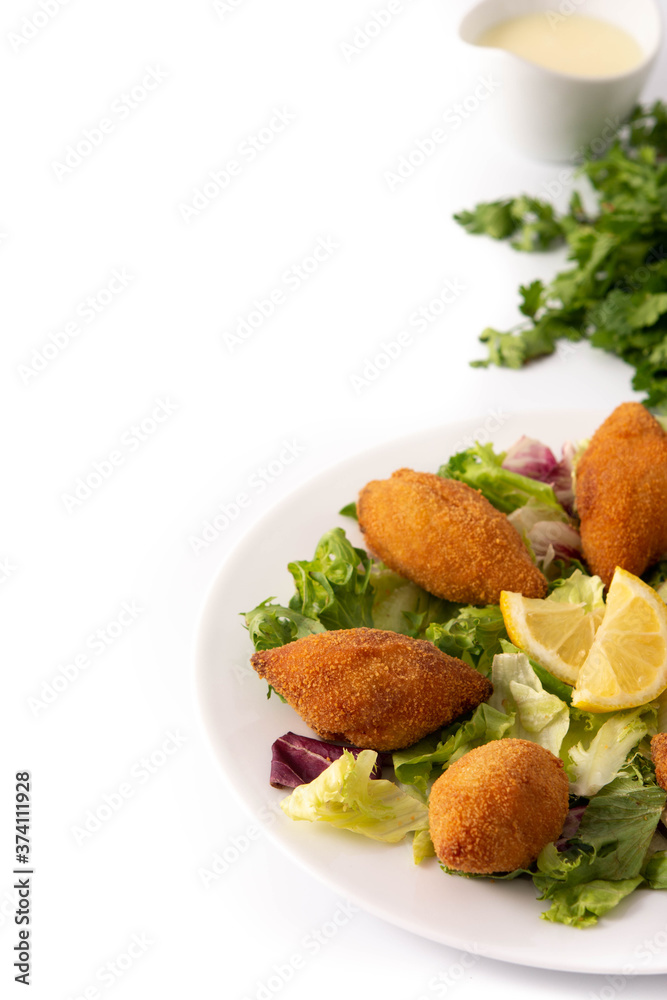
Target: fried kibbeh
(446, 537)
(378, 690)
(659, 754)
(621, 491)
(495, 808)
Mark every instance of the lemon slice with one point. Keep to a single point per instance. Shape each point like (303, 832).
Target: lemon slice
(556, 635)
(627, 662)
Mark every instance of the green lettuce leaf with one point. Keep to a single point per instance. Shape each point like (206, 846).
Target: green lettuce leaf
(655, 870)
(416, 764)
(606, 740)
(533, 512)
(619, 824)
(422, 846)
(579, 588)
(612, 844)
(349, 510)
(487, 724)
(345, 796)
(481, 468)
(546, 679)
(538, 715)
(581, 905)
(661, 706)
(496, 877)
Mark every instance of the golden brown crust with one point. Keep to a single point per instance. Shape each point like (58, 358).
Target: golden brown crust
(659, 753)
(496, 807)
(621, 493)
(446, 537)
(376, 689)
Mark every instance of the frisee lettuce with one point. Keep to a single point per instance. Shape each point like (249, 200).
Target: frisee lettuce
(332, 591)
(272, 625)
(334, 586)
(342, 587)
(473, 635)
(481, 468)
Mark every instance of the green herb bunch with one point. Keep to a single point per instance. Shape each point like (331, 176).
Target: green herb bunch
(615, 295)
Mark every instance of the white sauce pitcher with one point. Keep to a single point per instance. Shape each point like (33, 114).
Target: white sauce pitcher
(552, 115)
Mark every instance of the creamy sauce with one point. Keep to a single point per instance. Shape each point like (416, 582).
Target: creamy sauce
(583, 46)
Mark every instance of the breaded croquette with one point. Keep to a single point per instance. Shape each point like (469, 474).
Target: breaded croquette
(378, 690)
(659, 754)
(621, 490)
(446, 537)
(496, 807)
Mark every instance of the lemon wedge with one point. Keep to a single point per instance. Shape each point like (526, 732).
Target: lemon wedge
(556, 635)
(627, 662)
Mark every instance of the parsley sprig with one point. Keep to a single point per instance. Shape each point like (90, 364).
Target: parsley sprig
(615, 295)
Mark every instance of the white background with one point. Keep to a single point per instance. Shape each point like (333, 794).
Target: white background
(68, 567)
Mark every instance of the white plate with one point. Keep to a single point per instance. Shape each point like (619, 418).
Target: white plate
(496, 919)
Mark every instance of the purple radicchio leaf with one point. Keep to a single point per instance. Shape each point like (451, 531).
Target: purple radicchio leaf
(297, 760)
(547, 533)
(561, 478)
(554, 540)
(572, 823)
(531, 458)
